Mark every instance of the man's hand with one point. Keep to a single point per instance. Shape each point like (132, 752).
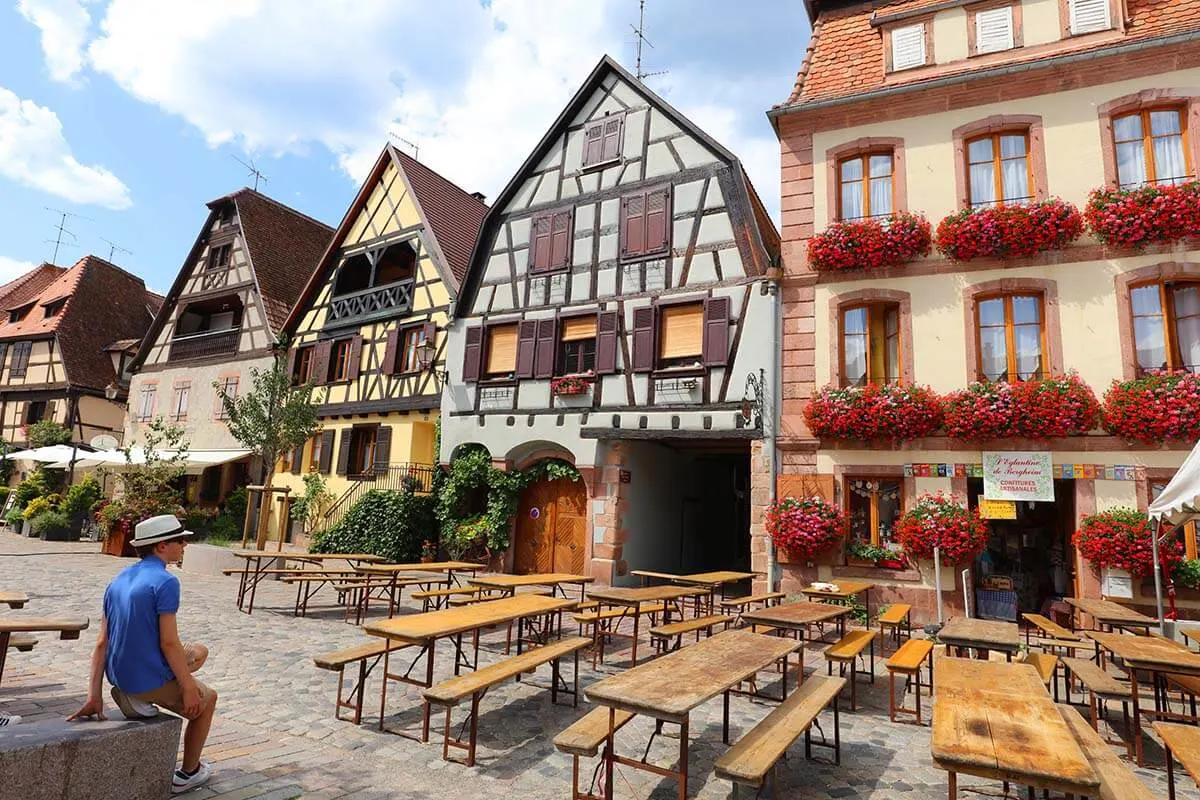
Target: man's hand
(191, 700)
(94, 707)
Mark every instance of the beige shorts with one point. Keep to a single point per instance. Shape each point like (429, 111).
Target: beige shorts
(170, 694)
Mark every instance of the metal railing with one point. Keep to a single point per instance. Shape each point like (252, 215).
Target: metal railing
(204, 345)
(396, 477)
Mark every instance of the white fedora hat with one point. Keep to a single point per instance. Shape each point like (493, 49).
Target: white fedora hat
(162, 528)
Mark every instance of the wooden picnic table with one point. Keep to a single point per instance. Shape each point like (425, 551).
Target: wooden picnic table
(718, 580)
(392, 580)
(423, 630)
(798, 617)
(668, 688)
(631, 599)
(508, 584)
(1108, 614)
(1182, 743)
(981, 634)
(66, 627)
(14, 599)
(846, 590)
(996, 720)
(258, 567)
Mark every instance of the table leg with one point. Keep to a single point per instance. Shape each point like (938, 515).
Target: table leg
(4, 639)
(258, 575)
(637, 616)
(683, 759)
(867, 603)
(802, 634)
(609, 753)
(1137, 716)
(953, 777)
(725, 718)
(428, 683)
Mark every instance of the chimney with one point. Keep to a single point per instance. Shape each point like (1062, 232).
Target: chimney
(480, 196)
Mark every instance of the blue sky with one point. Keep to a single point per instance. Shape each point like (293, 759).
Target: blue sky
(129, 113)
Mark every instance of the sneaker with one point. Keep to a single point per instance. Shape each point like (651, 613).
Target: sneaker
(182, 782)
(131, 707)
(8, 719)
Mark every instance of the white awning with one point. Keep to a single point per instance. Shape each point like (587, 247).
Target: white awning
(50, 455)
(195, 462)
(1180, 501)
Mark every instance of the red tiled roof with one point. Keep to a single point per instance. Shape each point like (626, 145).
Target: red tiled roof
(35, 323)
(845, 55)
(27, 287)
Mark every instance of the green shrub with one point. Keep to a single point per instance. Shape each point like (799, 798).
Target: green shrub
(50, 524)
(31, 487)
(235, 504)
(81, 497)
(1187, 574)
(224, 528)
(40, 505)
(4, 490)
(389, 524)
(13, 517)
(199, 519)
(47, 433)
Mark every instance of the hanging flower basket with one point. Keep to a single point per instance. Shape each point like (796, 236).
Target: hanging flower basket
(804, 528)
(1041, 409)
(871, 243)
(1120, 538)
(1154, 408)
(570, 385)
(868, 413)
(1148, 215)
(1014, 231)
(939, 520)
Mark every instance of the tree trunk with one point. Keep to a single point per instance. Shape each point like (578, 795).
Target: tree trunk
(264, 509)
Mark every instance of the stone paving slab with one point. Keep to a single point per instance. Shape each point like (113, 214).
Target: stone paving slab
(275, 736)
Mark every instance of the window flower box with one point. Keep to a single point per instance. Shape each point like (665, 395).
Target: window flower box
(871, 412)
(938, 520)
(1012, 231)
(870, 243)
(1148, 215)
(1040, 409)
(1120, 538)
(1153, 408)
(803, 528)
(570, 385)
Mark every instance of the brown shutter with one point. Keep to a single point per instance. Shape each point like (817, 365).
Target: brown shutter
(560, 241)
(355, 356)
(3, 354)
(319, 371)
(612, 138)
(343, 462)
(658, 220)
(383, 449)
(327, 451)
(716, 331)
(643, 339)
(606, 342)
(526, 343)
(593, 143)
(544, 363)
(633, 224)
(472, 353)
(291, 365)
(429, 334)
(297, 458)
(390, 350)
(539, 242)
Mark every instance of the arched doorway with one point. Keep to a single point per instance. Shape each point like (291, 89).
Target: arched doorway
(551, 527)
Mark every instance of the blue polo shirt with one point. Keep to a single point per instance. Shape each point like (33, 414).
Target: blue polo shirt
(132, 602)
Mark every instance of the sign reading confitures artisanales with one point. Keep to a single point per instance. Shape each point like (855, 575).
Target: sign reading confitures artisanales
(1018, 476)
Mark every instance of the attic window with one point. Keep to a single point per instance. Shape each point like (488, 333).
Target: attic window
(995, 29)
(18, 314)
(602, 140)
(218, 257)
(225, 215)
(52, 309)
(908, 45)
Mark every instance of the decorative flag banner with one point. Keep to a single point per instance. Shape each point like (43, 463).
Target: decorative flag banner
(1106, 472)
(1020, 476)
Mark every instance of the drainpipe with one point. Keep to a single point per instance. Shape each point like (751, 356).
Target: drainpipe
(770, 438)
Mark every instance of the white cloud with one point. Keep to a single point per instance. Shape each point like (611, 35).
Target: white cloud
(64, 25)
(11, 268)
(34, 152)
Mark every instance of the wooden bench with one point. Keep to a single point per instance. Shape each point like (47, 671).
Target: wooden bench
(895, 617)
(756, 753)
(22, 642)
(1101, 686)
(847, 651)
(583, 740)
(907, 661)
(1117, 780)
(475, 685)
(646, 575)
(743, 604)
(338, 660)
(662, 635)
(1182, 743)
(1047, 629)
(1188, 686)
(434, 599)
(1047, 668)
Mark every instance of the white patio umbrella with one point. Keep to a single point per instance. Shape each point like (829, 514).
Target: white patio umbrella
(51, 454)
(1178, 503)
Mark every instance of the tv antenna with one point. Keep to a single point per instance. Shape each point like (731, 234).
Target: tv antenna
(640, 32)
(253, 170)
(61, 229)
(416, 148)
(114, 248)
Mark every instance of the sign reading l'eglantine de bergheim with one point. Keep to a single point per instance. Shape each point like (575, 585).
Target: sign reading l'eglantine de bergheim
(1018, 476)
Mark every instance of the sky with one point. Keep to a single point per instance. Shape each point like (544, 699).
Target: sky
(130, 115)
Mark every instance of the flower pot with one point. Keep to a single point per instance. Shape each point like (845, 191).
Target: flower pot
(891, 563)
(426, 559)
(851, 561)
(571, 391)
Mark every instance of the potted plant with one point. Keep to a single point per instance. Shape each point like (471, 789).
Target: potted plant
(570, 386)
(864, 554)
(14, 520)
(938, 520)
(79, 500)
(428, 551)
(51, 526)
(803, 528)
(1038, 409)
(1120, 539)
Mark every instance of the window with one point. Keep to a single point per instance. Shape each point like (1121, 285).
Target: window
(871, 344)
(35, 411)
(550, 241)
(339, 360)
(681, 335)
(998, 169)
(645, 224)
(576, 346)
(1149, 145)
(1189, 529)
(362, 451)
(302, 369)
(1088, 16)
(602, 140)
(314, 460)
(145, 408)
(20, 359)
(18, 314)
(179, 401)
(218, 257)
(874, 506)
(994, 30)
(908, 47)
(1166, 325)
(500, 354)
(52, 309)
(866, 186)
(1011, 338)
(230, 385)
(412, 339)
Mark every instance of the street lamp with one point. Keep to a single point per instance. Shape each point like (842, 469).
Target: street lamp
(425, 353)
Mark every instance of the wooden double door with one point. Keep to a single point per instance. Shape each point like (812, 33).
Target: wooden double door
(551, 527)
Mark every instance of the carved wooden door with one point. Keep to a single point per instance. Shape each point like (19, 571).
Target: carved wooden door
(551, 526)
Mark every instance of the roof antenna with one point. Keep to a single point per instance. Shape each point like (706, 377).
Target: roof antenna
(113, 247)
(416, 148)
(61, 229)
(254, 170)
(640, 31)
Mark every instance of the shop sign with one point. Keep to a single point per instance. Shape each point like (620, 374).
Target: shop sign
(1018, 476)
(997, 509)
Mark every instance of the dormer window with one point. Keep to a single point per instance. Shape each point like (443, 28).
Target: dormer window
(909, 46)
(19, 313)
(52, 309)
(602, 140)
(218, 257)
(993, 30)
(225, 215)
(1088, 16)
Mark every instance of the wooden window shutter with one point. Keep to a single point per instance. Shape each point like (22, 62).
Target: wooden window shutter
(297, 458)
(383, 449)
(716, 331)
(560, 240)
(526, 347)
(633, 224)
(908, 46)
(355, 357)
(429, 334)
(327, 451)
(643, 339)
(612, 137)
(539, 244)
(593, 143)
(472, 353)
(320, 362)
(606, 343)
(1089, 15)
(658, 221)
(390, 350)
(994, 30)
(343, 462)
(3, 355)
(544, 362)
(291, 364)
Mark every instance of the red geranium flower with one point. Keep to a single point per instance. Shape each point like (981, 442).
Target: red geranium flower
(939, 520)
(1155, 407)
(1147, 215)
(1120, 538)
(805, 527)
(1012, 231)
(870, 412)
(1038, 409)
(871, 243)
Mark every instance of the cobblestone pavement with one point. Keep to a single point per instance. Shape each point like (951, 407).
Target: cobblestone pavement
(275, 735)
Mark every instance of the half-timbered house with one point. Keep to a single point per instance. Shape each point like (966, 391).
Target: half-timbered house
(369, 329)
(221, 318)
(616, 315)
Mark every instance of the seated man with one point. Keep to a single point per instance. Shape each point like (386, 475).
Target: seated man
(138, 647)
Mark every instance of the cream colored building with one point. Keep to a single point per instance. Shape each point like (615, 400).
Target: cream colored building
(936, 107)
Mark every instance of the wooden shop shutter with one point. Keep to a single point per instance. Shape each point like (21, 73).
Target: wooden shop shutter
(390, 350)
(593, 143)
(606, 342)
(383, 449)
(291, 365)
(681, 331)
(501, 356)
(560, 240)
(327, 452)
(643, 339)
(343, 462)
(297, 458)
(320, 362)
(472, 353)
(612, 137)
(716, 331)
(540, 242)
(526, 343)
(355, 357)
(544, 362)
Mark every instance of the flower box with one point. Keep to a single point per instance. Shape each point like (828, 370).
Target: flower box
(867, 413)
(1011, 231)
(570, 385)
(938, 520)
(804, 527)
(1156, 407)
(1039, 409)
(1120, 538)
(1147, 215)
(870, 243)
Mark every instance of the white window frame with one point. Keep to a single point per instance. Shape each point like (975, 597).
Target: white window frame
(995, 44)
(1073, 13)
(909, 30)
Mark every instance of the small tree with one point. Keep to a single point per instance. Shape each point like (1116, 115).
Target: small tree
(147, 482)
(47, 433)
